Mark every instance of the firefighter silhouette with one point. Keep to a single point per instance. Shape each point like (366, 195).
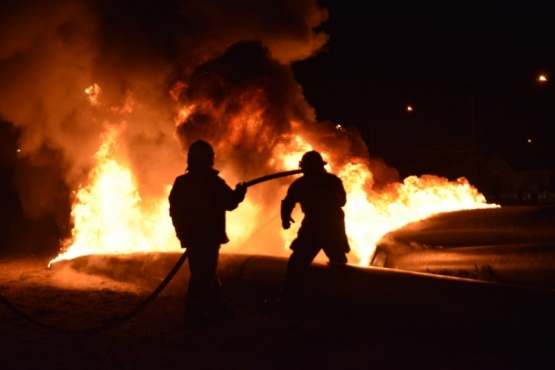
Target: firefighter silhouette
(321, 196)
(198, 201)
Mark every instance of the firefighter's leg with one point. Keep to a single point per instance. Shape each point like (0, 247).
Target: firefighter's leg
(335, 255)
(202, 264)
(218, 309)
(335, 243)
(294, 285)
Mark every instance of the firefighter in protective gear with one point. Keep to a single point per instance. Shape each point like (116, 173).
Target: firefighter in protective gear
(198, 201)
(321, 196)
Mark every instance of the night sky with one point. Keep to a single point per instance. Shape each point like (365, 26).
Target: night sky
(446, 59)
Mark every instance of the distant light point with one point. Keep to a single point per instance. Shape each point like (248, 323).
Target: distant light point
(542, 78)
(409, 108)
(529, 141)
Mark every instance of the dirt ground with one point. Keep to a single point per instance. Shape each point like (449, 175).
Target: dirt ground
(254, 339)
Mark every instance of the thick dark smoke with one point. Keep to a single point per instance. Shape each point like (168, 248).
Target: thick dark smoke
(227, 55)
(244, 84)
(251, 103)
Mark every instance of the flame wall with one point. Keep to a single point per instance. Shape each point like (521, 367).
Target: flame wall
(137, 52)
(126, 86)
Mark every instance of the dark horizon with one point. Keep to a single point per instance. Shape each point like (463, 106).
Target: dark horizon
(455, 64)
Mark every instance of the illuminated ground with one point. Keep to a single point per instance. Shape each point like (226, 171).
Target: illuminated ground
(416, 324)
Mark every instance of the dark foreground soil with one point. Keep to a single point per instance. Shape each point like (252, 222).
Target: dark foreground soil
(254, 339)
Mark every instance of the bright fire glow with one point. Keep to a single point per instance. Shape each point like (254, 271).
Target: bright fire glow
(93, 93)
(110, 217)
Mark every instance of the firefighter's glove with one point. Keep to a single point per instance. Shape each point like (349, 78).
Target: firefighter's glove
(241, 191)
(286, 222)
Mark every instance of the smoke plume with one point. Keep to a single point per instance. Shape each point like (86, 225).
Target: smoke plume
(72, 69)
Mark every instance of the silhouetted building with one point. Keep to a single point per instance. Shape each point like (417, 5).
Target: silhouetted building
(525, 174)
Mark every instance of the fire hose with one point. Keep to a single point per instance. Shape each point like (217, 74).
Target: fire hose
(108, 325)
(271, 177)
(120, 320)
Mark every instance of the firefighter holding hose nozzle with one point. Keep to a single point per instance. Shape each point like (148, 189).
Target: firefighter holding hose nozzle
(321, 195)
(198, 201)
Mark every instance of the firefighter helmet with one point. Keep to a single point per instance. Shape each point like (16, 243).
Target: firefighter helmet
(312, 160)
(200, 153)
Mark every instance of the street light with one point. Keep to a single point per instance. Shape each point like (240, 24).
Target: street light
(542, 78)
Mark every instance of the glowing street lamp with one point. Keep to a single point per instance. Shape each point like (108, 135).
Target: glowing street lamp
(409, 108)
(542, 78)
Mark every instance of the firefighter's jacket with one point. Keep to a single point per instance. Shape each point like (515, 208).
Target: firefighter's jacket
(198, 201)
(321, 196)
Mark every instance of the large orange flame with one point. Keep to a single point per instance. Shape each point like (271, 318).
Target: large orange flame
(111, 218)
(109, 215)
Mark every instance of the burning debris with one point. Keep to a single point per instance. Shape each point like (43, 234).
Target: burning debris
(111, 88)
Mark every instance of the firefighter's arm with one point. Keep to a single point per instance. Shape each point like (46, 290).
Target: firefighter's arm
(342, 194)
(240, 191)
(233, 197)
(286, 209)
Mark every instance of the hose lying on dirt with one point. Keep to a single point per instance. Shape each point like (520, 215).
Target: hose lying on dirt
(120, 320)
(108, 325)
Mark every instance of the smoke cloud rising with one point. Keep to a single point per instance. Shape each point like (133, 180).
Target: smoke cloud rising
(142, 62)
